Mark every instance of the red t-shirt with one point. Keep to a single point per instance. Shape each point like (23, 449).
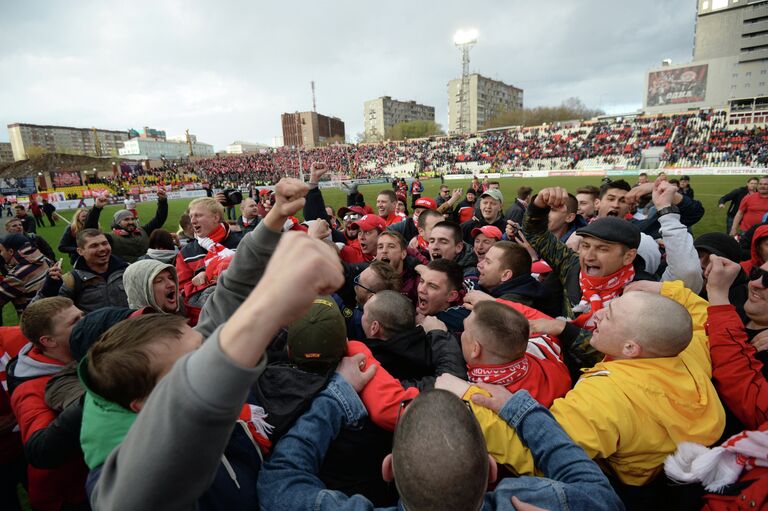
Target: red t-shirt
(754, 206)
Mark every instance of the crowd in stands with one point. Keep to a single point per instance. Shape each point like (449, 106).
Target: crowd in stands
(557, 350)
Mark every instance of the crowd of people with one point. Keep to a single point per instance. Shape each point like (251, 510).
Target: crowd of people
(556, 350)
(691, 140)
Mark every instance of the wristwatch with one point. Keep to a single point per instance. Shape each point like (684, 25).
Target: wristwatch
(667, 210)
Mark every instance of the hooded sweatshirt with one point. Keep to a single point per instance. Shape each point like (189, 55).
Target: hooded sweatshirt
(755, 259)
(138, 279)
(162, 255)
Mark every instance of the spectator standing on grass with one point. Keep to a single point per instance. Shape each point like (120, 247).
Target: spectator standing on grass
(735, 197)
(49, 210)
(129, 240)
(37, 213)
(751, 209)
(27, 221)
(685, 187)
(13, 226)
(68, 243)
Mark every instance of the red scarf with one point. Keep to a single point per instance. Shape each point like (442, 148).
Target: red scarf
(504, 374)
(217, 252)
(126, 234)
(596, 292)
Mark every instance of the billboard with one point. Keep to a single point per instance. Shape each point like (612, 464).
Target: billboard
(62, 178)
(677, 86)
(17, 185)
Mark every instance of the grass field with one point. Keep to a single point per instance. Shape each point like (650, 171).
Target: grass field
(707, 188)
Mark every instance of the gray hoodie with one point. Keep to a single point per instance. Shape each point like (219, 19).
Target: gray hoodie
(138, 278)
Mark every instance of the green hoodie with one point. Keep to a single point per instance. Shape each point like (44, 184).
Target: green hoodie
(105, 423)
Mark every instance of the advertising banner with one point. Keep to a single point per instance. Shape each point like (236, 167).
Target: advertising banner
(17, 185)
(677, 86)
(62, 178)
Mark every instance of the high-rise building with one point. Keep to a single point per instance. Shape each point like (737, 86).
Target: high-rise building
(310, 129)
(729, 66)
(487, 98)
(6, 153)
(382, 113)
(27, 139)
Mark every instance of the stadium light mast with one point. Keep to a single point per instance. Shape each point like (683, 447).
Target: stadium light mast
(464, 39)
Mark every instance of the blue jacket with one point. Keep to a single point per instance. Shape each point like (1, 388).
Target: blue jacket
(289, 479)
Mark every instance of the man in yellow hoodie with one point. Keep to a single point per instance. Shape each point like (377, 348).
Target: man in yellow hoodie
(651, 392)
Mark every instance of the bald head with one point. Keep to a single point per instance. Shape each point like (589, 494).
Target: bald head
(659, 324)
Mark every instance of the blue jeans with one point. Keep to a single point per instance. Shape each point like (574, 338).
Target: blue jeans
(289, 479)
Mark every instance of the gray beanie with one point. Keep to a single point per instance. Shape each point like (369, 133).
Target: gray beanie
(121, 215)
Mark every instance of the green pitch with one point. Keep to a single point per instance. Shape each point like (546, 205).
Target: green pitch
(708, 190)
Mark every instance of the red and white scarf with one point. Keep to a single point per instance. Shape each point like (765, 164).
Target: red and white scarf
(718, 467)
(217, 253)
(503, 374)
(596, 292)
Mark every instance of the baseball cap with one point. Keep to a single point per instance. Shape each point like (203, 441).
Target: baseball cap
(425, 202)
(319, 338)
(13, 241)
(613, 230)
(494, 194)
(356, 210)
(265, 191)
(489, 231)
(540, 267)
(369, 223)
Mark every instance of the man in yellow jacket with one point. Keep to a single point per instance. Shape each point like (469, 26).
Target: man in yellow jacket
(629, 412)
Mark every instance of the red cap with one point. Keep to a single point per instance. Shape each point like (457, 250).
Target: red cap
(265, 191)
(369, 223)
(488, 230)
(540, 267)
(425, 202)
(342, 212)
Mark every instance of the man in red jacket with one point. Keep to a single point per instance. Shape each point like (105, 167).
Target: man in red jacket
(213, 244)
(738, 472)
(363, 249)
(56, 469)
(498, 351)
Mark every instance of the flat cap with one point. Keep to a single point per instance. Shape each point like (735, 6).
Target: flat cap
(613, 230)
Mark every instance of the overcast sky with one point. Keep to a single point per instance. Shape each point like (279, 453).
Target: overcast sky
(227, 70)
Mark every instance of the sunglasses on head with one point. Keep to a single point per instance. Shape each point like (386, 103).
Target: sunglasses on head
(756, 273)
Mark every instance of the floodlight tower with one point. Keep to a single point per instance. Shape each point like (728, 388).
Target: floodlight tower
(464, 39)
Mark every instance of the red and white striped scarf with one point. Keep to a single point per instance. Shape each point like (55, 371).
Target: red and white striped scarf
(216, 251)
(720, 466)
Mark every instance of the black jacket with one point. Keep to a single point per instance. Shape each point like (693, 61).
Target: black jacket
(466, 227)
(68, 244)
(516, 212)
(735, 197)
(528, 291)
(353, 462)
(416, 358)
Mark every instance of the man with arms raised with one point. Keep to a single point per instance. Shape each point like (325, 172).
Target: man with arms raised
(129, 240)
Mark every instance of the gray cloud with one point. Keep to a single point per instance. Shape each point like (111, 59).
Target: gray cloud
(226, 70)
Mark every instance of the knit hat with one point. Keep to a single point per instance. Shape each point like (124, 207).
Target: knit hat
(138, 279)
(14, 241)
(720, 244)
(318, 339)
(121, 215)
